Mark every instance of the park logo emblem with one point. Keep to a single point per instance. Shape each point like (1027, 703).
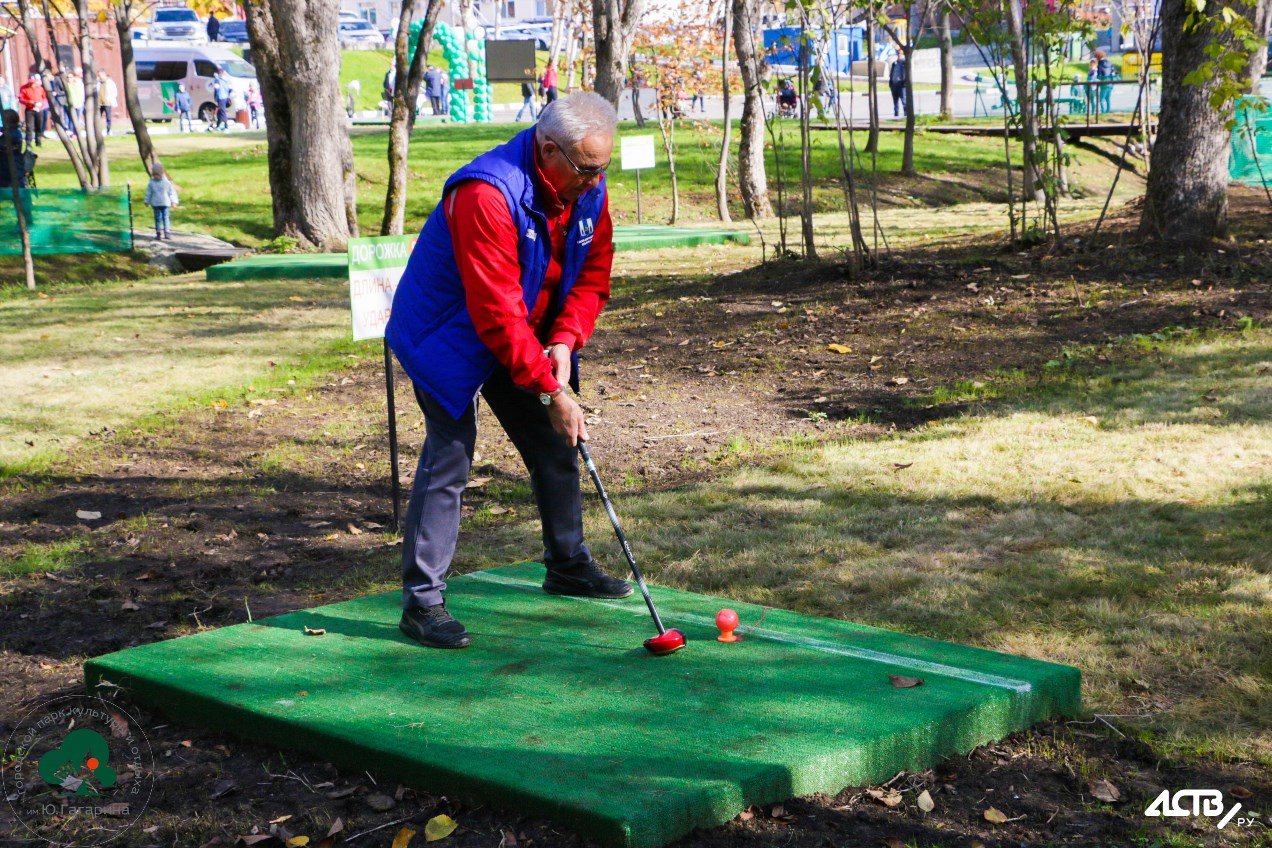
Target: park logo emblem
(79, 771)
(586, 230)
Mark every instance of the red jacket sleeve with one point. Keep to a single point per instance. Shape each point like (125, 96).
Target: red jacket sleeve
(591, 290)
(485, 243)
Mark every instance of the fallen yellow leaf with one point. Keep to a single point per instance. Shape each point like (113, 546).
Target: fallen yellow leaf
(439, 827)
(995, 815)
(403, 838)
(838, 348)
(298, 840)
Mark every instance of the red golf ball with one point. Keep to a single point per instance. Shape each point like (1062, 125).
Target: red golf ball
(727, 621)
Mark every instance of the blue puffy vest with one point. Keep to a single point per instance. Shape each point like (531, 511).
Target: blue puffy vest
(429, 327)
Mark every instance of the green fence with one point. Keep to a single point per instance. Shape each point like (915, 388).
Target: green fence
(1251, 159)
(67, 220)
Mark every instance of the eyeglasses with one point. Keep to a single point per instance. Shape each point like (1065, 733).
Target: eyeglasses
(590, 172)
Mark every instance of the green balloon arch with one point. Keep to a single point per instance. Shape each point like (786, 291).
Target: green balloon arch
(462, 109)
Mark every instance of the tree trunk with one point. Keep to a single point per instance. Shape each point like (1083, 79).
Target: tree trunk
(402, 121)
(1024, 99)
(947, 62)
(560, 30)
(614, 25)
(722, 170)
(311, 175)
(752, 181)
(123, 26)
(468, 30)
(667, 127)
(571, 57)
(1186, 200)
(94, 126)
(805, 151)
(636, 110)
(24, 230)
(907, 148)
(872, 85)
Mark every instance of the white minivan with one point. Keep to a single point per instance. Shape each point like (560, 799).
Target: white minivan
(159, 69)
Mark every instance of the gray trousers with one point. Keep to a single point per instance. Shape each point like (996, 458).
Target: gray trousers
(431, 529)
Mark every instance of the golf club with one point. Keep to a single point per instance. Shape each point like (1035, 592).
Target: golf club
(666, 641)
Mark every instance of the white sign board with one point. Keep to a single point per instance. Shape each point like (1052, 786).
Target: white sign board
(375, 267)
(637, 152)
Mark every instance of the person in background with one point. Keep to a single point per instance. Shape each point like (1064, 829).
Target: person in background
(787, 99)
(35, 103)
(527, 101)
(433, 88)
(1104, 70)
(255, 105)
(817, 100)
(896, 82)
(107, 97)
(214, 27)
(1092, 93)
(8, 97)
(221, 94)
(161, 197)
(12, 163)
(699, 101)
(184, 104)
(58, 100)
(389, 85)
(550, 83)
(75, 97)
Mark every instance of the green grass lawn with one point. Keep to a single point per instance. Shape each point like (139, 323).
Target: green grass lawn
(223, 179)
(88, 360)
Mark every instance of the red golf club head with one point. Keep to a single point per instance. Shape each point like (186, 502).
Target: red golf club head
(665, 643)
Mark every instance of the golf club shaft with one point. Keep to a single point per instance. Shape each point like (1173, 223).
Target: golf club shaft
(618, 531)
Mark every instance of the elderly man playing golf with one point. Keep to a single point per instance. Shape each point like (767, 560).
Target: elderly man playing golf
(502, 289)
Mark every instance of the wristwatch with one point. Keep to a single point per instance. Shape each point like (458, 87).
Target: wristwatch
(545, 398)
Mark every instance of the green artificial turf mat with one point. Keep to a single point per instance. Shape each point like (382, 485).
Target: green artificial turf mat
(305, 266)
(557, 710)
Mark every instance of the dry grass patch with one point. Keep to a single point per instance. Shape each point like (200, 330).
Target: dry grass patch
(1116, 521)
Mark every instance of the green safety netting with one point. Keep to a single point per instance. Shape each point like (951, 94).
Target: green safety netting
(1251, 159)
(67, 220)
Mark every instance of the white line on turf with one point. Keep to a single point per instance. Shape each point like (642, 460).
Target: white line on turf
(912, 663)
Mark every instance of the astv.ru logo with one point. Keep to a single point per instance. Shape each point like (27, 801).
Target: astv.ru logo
(1197, 802)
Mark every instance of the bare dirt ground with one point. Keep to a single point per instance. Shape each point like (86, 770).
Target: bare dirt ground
(281, 506)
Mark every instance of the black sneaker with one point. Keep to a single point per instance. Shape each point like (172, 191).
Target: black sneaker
(434, 626)
(586, 581)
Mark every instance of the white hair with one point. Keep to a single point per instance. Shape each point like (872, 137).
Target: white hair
(572, 118)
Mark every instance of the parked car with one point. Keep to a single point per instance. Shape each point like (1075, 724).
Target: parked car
(174, 23)
(233, 31)
(539, 29)
(159, 69)
(359, 32)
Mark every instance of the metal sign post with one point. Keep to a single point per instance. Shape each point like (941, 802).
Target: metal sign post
(637, 152)
(375, 267)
